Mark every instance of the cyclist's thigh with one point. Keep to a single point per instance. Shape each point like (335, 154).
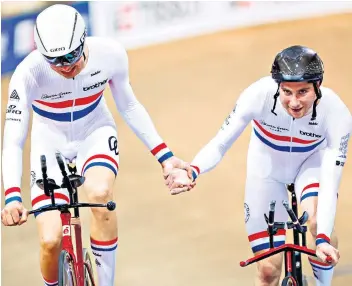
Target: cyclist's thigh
(307, 183)
(98, 159)
(259, 193)
(48, 222)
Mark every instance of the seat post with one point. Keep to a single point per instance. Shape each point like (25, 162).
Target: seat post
(72, 168)
(296, 259)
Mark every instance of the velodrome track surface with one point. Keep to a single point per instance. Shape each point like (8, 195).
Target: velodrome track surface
(189, 87)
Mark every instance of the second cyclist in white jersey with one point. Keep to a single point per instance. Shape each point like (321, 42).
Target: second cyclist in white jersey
(300, 132)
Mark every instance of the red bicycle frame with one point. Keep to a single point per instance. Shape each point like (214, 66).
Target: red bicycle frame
(286, 248)
(68, 246)
(292, 252)
(71, 183)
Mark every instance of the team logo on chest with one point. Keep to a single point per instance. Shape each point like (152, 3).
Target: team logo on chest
(310, 134)
(286, 141)
(275, 128)
(95, 85)
(55, 96)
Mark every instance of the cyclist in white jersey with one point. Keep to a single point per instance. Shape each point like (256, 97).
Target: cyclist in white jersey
(63, 81)
(302, 139)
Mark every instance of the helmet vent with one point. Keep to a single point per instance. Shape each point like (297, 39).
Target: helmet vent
(73, 31)
(36, 27)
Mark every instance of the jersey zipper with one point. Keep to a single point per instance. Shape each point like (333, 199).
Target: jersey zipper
(73, 106)
(291, 141)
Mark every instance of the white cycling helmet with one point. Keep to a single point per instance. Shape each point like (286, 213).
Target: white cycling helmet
(59, 30)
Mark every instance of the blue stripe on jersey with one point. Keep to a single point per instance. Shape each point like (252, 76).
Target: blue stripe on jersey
(66, 117)
(286, 148)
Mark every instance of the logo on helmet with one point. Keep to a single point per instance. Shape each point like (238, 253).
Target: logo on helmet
(83, 37)
(57, 49)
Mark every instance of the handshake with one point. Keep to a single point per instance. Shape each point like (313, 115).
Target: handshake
(178, 175)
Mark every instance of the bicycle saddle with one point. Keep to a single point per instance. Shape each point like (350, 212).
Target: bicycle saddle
(75, 180)
(51, 184)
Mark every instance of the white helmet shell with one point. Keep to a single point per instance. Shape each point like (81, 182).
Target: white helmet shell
(59, 29)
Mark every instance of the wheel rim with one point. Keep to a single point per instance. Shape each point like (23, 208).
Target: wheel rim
(69, 276)
(86, 276)
(289, 281)
(88, 265)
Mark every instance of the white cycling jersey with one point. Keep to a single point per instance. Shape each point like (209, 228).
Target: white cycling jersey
(279, 144)
(73, 108)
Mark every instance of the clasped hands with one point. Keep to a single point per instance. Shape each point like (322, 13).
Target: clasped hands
(178, 175)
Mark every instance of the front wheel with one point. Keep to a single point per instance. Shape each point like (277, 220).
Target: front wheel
(88, 269)
(289, 281)
(67, 274)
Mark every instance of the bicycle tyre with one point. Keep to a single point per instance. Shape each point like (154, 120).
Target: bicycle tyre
(289, 281)
(67, 273)
(86, 259)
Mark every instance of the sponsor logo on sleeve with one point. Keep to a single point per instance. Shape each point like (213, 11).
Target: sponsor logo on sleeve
(14, 95)
(227, 120)
(12, 109)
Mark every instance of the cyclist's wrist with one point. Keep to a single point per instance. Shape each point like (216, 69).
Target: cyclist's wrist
(322, 238)
(195, 172)
(13, 194)
(162, 153)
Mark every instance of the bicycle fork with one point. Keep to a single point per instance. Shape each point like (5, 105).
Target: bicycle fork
(68, 246)
(81, 263)
(297, 259)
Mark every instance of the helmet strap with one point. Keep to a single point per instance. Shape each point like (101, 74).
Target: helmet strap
(318, 94)
(84, 56)
(275, 100)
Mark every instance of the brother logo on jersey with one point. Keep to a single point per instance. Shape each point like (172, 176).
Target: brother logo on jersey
(98, 84)
(310, 134)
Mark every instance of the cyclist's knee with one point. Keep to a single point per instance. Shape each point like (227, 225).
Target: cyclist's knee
(98, 192)
(98, 184)
(50, 231)
(269, 270)
(310, 206)
(50, 242)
